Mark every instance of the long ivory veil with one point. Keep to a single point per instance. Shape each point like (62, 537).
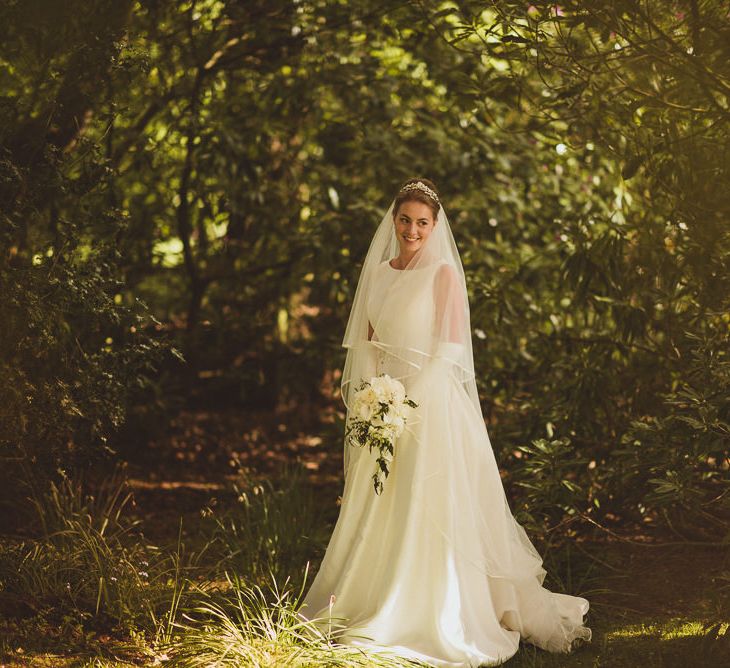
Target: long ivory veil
(414, 323)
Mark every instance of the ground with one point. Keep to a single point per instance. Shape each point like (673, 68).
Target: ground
(655, 602)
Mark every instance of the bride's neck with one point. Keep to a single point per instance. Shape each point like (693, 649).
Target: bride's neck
(402, 260)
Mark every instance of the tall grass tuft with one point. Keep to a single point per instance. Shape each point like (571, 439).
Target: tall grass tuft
(91, 565)
(243, 626)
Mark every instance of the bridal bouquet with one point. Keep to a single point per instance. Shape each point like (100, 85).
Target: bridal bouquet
(379, 417)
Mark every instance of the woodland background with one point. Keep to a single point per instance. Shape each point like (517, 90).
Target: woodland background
(187, 190)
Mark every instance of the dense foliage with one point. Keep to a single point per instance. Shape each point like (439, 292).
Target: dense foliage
(226, 163)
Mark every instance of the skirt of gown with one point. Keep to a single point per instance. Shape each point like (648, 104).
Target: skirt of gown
(436, 568)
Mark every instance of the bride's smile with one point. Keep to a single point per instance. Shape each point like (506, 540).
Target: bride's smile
(414, 222)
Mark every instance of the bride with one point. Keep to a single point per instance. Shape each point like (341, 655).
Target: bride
(435, 568)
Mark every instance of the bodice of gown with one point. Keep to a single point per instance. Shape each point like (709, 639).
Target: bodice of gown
(401, 310)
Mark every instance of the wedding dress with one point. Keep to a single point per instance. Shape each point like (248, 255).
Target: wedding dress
(435, 568)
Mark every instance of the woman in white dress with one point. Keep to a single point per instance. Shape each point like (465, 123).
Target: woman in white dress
(435, 568)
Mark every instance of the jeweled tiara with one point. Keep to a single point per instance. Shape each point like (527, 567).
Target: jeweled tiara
(419, 185)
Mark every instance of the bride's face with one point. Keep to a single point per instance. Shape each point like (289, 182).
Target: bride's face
(414, 222)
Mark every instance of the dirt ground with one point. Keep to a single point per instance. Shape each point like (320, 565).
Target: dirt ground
(654, 601)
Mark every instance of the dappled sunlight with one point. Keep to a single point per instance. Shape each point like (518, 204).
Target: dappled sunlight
(188, 193)
(668, 630)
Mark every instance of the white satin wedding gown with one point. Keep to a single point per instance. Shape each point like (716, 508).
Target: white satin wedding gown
(435, 568)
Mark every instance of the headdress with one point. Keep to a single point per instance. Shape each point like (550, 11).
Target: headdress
(420, 185)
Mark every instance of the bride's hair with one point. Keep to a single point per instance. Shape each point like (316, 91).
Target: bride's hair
(417, 195)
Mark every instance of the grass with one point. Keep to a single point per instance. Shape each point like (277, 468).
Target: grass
(89, 580)
(245, 626)
(92, 590)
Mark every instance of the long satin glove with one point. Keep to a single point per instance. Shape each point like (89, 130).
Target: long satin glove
(433, 379)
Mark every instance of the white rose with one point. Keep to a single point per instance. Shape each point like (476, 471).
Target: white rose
(380, 388)
(396, 390)
(368, 396)
(362, 408)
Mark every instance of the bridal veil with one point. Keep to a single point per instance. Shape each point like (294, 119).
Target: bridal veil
(456, 483)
